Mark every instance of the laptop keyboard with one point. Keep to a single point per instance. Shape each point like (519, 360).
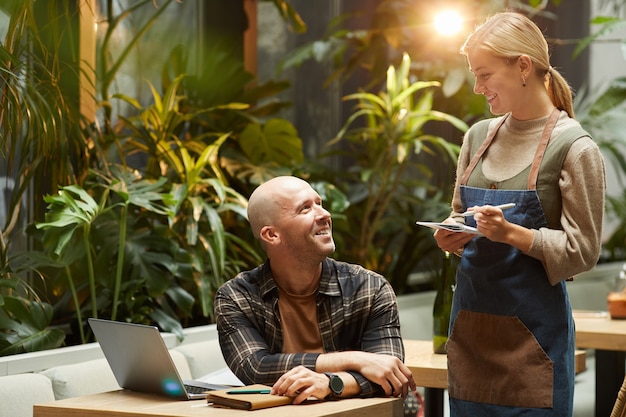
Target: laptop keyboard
(194, 389)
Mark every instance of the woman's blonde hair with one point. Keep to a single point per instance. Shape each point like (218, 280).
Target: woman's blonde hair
(509, 35)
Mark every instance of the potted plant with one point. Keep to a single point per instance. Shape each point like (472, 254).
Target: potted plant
(389, 183)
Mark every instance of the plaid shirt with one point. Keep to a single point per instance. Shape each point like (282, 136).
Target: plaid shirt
(356, 309)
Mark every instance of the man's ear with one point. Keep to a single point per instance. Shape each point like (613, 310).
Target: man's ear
(269, 235)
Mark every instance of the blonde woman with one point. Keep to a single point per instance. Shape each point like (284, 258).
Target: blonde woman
(511, 346)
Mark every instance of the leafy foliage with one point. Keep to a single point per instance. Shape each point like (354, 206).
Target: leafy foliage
(150, 226)
(387, 179)
(25, 325)
(25, 322)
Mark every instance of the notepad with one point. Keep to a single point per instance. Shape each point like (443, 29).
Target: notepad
(452, 227)
(222, 398)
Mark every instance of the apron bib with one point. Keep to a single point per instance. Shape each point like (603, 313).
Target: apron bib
(511, 345)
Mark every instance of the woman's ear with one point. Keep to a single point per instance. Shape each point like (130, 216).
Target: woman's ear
(525, 65)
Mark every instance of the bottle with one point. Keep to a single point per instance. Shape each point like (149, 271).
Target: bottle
(443, 302)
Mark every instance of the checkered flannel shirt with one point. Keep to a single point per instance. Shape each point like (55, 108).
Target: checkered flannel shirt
(356, 309)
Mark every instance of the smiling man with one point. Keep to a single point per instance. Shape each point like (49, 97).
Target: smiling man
(304, 323)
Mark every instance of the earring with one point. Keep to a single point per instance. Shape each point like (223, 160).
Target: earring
(523, 81)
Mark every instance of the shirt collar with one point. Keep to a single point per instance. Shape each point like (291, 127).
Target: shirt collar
(329, 282)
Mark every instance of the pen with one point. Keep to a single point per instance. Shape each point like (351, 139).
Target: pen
(501, 207)
(249, 391)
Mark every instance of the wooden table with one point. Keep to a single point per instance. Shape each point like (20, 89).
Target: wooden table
(596, 330)
(430, 370)
(133, 404)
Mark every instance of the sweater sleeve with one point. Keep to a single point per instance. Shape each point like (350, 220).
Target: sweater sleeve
(576, 248)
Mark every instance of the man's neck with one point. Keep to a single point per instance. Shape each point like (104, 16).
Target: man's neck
(296, 279)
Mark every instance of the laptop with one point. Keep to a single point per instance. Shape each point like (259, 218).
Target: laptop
(141, 362)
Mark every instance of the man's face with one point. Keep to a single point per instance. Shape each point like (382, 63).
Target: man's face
(305, 226)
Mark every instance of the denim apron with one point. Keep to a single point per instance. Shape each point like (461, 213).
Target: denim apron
(511, 345)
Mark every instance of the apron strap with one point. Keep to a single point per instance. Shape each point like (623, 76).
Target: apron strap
(541, 148)
(539, 153)
(481, 150)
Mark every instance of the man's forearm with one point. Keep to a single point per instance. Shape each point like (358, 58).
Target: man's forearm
(337, 361)
(378, 371)
(355, 383)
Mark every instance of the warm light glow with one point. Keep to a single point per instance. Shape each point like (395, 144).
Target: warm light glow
(448, 22)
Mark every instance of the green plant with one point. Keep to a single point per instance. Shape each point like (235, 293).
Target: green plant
(200, 190)
(39, 121)
(388, 181)
(72, 215)
(42, 146)
(24, 318)
(614, 248)
(26, 326)
(145, 225)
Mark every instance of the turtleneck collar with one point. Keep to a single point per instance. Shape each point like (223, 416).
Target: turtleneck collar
(526, 126)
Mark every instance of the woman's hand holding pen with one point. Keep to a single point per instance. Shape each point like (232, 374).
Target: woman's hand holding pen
(491, 223)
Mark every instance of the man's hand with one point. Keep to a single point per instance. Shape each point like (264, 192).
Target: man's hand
(387, 371)
(302, 383)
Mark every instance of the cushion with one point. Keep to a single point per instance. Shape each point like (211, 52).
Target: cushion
(18, 394)
(83, 378)
(95, 376)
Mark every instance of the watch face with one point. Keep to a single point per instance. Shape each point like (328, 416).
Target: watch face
(336, 384)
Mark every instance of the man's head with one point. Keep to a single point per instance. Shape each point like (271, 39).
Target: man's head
(287, 216)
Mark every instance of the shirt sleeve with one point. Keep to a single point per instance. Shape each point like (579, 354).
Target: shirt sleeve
(576, 248)
(382, 335)
(462, 164)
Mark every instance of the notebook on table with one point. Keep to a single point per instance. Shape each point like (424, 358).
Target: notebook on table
(141, 361)
(251, 397)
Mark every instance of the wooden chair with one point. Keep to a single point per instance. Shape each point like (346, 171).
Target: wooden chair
(619, 409)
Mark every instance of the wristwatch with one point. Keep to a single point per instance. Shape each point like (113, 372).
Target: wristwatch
(335, 384)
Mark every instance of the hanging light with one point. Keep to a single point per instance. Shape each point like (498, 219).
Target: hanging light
(448, 22)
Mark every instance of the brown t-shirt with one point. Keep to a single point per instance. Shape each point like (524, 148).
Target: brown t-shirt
(298, 320)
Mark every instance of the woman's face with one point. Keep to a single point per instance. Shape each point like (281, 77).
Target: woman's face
(498, 80)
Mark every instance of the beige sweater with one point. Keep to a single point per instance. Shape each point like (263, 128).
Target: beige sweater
(576, 248)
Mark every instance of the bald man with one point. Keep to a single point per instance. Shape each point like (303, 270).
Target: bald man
(304, 323)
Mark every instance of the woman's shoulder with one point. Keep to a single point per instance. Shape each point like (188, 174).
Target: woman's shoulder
(574, 140)
(570, 130)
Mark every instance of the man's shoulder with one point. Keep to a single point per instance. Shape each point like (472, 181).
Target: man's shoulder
(244, 279)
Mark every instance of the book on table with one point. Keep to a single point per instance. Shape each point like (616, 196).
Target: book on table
(250, 397)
